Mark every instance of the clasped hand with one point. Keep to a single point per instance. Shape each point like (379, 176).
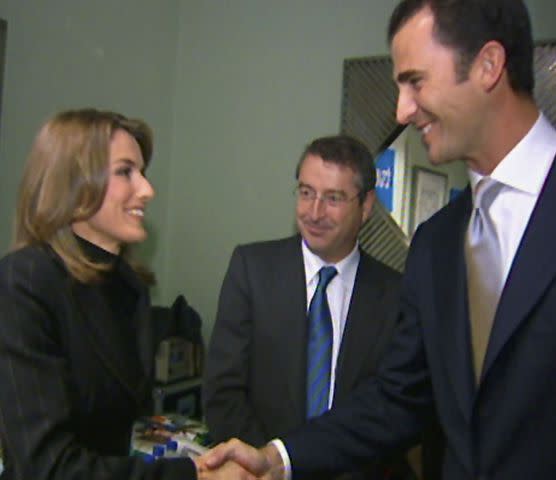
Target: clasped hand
(235, 460)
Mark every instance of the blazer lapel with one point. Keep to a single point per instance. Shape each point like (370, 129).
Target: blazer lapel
(449, 290)
(294, 323)
(142, 321)
(360, 329)
(533, 269)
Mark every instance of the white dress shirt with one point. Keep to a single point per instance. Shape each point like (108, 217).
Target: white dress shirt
(522, 173)
(338, 294)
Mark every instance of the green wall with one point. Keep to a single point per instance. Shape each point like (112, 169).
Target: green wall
(233, 89)
(256, 81)
(119, 55)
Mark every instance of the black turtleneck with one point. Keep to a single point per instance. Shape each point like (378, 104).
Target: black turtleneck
(120, 294)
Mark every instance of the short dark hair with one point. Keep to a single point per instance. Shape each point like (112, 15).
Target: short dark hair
(466, 25)
(348, 151)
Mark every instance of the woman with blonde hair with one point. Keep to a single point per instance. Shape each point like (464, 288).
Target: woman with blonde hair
(76, 344)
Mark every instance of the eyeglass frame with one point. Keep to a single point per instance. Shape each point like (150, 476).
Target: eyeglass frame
(327, 198)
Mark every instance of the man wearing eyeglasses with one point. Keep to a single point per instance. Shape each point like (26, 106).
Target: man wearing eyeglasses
(258, 382)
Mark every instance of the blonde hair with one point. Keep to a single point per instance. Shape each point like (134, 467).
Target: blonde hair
(65, 180)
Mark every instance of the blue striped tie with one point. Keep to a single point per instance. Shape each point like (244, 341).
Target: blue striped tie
(319, 351)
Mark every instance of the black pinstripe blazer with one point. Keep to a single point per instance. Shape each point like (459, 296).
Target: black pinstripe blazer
(69, 390)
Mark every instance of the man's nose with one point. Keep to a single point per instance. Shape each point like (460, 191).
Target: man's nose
(318, 207)
(406, 107)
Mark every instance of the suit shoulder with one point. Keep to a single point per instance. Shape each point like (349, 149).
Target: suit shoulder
(270, 247)
(379, 268)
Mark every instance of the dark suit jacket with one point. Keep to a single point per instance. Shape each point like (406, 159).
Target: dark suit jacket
(505, 428)
(255, 374)
(70, 390)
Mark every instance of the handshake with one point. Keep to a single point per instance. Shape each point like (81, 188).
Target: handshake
(235, 460)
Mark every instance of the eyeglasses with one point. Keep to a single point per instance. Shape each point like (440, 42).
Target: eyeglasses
(330, 199)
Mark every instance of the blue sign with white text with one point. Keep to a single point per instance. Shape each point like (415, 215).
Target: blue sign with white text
(385, 178)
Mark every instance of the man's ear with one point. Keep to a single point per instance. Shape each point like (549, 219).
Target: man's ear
(368, 203)
(490, 64)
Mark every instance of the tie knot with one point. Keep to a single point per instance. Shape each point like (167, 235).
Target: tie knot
(486, 192)
(325, 275)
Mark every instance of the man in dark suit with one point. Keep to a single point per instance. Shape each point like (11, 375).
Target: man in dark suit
(255, 385)
(478, 344)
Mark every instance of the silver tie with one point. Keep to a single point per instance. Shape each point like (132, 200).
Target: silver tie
(484, 270)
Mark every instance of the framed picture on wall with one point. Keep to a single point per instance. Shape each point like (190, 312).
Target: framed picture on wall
(429, 194)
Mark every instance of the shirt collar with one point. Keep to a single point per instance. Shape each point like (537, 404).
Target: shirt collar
(525, 167)
(347, 267)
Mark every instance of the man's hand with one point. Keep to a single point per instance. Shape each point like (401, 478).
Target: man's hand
(263, 463)
(227, 471)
